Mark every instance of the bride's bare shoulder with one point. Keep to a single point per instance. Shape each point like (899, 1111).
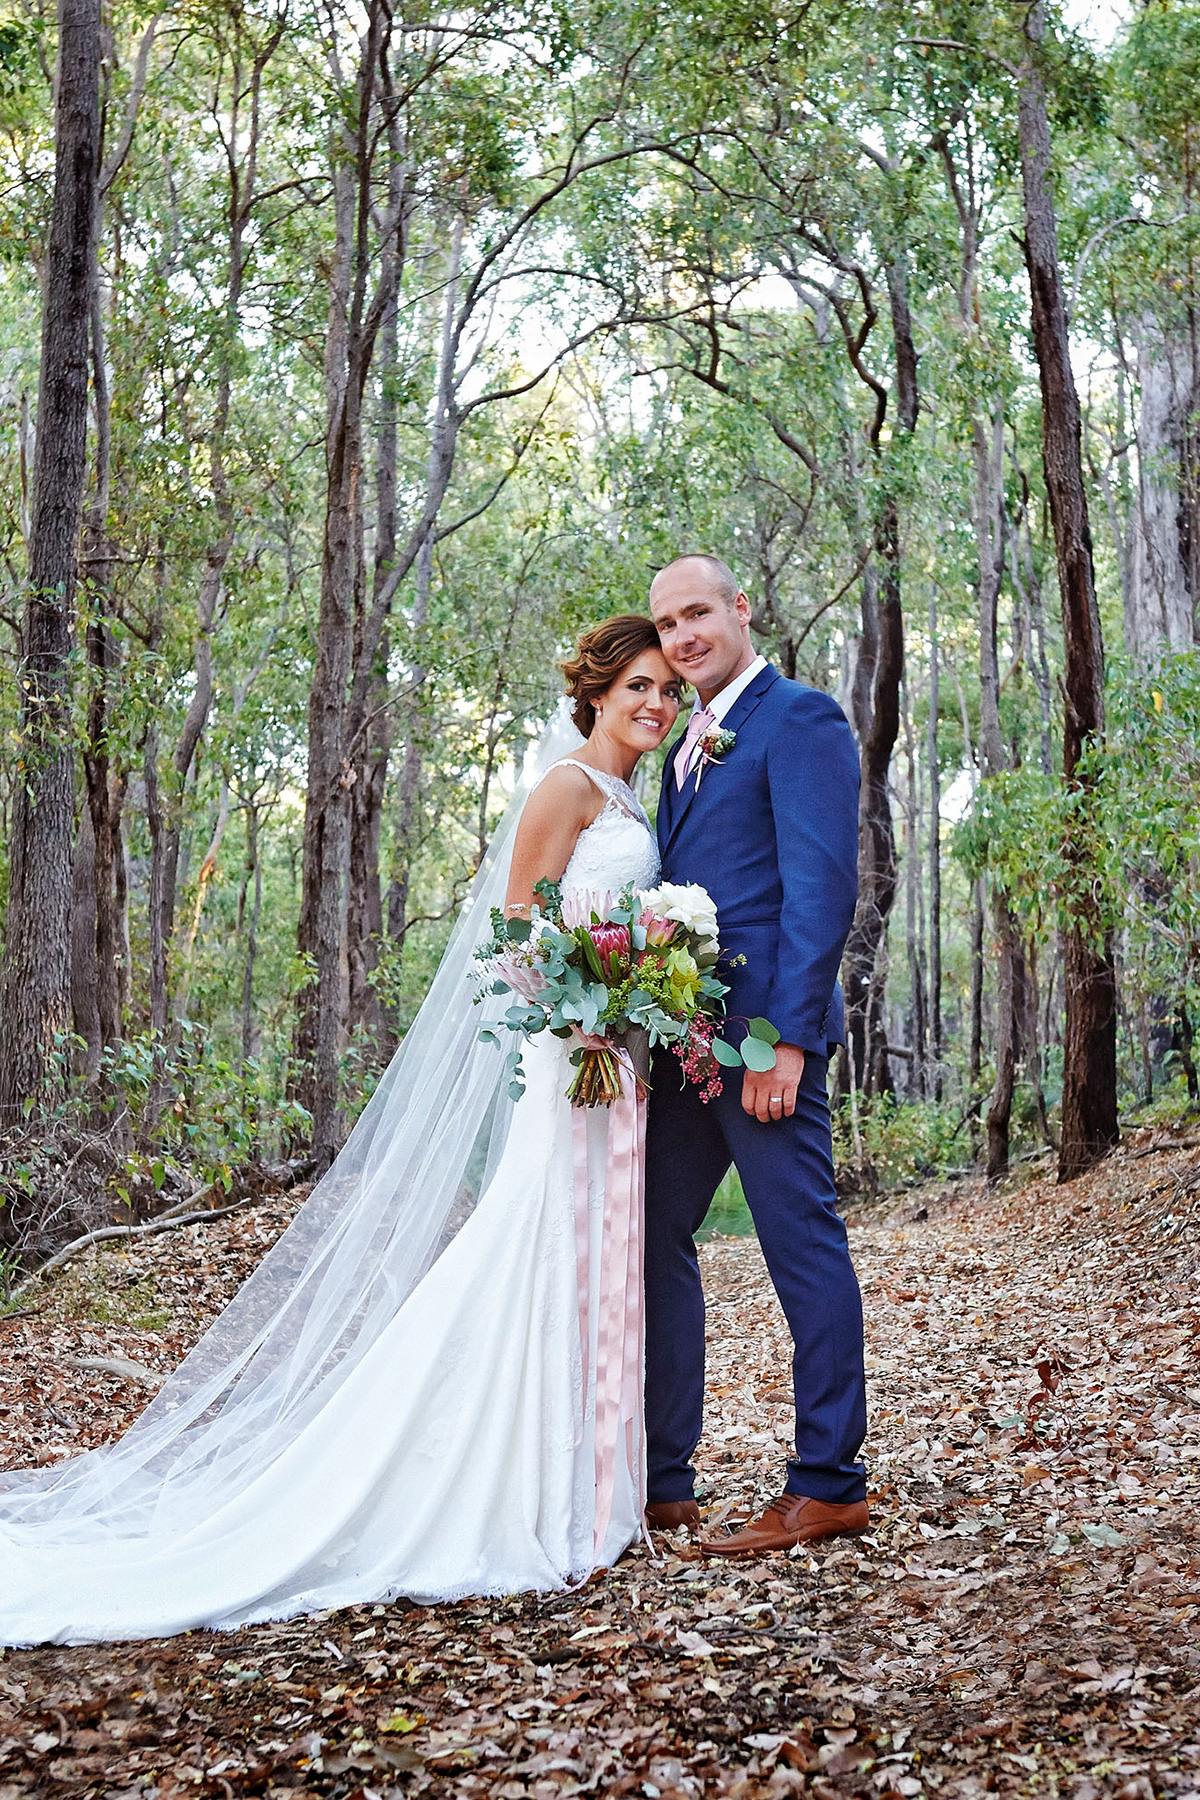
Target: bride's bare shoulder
(563, 804)
(565, 784)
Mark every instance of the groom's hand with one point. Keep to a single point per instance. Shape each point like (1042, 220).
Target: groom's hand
(771, 1094)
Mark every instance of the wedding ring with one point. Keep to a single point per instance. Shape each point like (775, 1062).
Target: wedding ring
(775, 1100)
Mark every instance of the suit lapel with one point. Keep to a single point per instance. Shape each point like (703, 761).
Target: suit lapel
(749, 698)
(737, 715)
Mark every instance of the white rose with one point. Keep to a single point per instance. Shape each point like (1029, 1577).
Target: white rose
(688, 902)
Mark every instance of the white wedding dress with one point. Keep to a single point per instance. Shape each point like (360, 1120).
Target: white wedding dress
(435, 1445)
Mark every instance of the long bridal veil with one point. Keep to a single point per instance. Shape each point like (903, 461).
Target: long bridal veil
(407, 1177)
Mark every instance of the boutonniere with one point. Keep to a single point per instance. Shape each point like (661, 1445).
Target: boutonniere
(715, 745)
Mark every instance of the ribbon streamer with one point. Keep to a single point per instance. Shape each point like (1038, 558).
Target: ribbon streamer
(620, 1344)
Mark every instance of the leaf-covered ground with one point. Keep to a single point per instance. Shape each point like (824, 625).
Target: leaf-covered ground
(1023, 1619)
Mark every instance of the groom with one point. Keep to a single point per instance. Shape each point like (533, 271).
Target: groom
(769, 826)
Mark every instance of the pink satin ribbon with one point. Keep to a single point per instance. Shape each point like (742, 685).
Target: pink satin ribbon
(621, 1334)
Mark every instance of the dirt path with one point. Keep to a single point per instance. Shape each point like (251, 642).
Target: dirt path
(1024, 1618)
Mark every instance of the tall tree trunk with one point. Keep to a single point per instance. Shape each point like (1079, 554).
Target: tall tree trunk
(364, 894)
(155, 912)
(1028, 585)
(440, 451)
(1089, 1105)
(240, 127)
(85, 1011)
(254, 874)
(405, 833)
(34, 975)
(106, 946)
(364, 899)
(348, 348)
(1031, 1037)
(883, 643)
(935, 856)
(1161, 611)
(1010, 1004)
(990, 540)
(990, 537)
(320, 1004)
(204, 876)
(881, 650)
(913, 911)
(975, 1027)
(105, 785)
(987, 452)
(1182, 1041)
(1112, 478)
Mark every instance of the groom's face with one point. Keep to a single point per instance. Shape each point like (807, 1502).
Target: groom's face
(704, 635)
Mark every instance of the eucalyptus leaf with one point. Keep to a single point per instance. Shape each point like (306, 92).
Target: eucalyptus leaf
(757, 1055)
(763, 1030)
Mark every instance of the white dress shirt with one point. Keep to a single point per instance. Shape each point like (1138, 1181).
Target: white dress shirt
(720, 703)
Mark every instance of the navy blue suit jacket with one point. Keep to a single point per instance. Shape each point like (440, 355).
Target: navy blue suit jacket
(772, 832)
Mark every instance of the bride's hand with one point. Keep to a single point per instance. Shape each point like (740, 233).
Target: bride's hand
(771, 1093)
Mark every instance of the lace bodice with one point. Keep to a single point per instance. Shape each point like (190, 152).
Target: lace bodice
(618, 847)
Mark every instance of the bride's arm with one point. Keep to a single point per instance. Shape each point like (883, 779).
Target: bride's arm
(555, 814)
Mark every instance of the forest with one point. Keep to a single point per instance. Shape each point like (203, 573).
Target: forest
(354, 356)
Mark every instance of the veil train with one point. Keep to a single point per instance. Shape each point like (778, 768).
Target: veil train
(374, 1224)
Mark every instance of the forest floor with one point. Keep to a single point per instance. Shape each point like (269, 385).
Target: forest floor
(1022, 1619)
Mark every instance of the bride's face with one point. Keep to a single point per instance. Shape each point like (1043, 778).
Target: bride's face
(642, 704)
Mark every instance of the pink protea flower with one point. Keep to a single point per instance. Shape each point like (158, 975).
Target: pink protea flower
(659, 932)
(612, 941)
(577, 908)
(522, 970)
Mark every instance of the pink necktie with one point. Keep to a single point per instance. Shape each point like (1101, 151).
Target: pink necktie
(697, 725)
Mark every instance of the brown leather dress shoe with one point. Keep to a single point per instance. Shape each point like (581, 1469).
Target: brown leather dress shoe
(672, 1515)
(790, 1520)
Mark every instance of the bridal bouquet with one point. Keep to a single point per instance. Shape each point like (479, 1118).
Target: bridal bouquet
(618, 974)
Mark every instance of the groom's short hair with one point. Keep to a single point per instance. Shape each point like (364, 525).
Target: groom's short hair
(723, 577)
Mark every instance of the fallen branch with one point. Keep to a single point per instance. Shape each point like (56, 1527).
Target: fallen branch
(173, 1218)
(108, 1232)
(1164, 1144)
(123, 1366)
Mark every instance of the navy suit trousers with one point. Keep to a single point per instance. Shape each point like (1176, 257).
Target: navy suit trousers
(786, 1169)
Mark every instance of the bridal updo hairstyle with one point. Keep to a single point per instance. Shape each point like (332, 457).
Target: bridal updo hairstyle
(604, 650)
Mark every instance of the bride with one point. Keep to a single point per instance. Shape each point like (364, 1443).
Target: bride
(403, 1398)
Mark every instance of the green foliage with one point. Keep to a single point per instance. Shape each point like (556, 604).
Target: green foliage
(1158, 67)
(1121, 851)
(902, 1144)
(10, 1275)
(761, 180)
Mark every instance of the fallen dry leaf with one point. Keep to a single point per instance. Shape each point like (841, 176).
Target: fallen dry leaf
(1022, 1619)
